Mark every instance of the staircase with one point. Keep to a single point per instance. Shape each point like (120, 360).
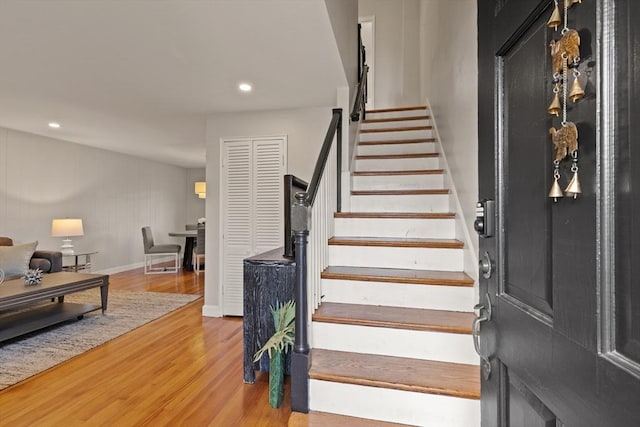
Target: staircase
(392, 338)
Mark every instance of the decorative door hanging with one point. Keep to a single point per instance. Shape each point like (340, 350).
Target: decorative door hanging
(565, 56)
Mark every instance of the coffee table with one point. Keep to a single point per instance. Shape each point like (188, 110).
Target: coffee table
(15, 294)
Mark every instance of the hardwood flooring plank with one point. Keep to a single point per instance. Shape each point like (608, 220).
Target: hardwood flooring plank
(397, 215)
(393, 109)
(398, 275)
(396, 119)
(422, 376)
(398, 192)
(409, 242)
(395, 317)
(398, 141)
(396, 156)
(323, 419)
(400, 172)
(396, 129)
(181, 369)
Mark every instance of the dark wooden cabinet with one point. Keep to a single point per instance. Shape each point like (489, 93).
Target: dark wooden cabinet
(268, 279)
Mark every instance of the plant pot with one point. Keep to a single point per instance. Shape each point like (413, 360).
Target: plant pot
(276, 379)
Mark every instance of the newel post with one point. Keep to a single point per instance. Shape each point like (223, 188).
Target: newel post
(301, 357)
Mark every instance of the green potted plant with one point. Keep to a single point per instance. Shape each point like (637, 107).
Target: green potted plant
(277, 346)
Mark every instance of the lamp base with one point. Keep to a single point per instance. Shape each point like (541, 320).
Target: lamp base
(67, 247)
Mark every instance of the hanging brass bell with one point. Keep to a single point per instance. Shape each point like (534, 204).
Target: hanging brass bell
(574, 188)
(554, 107)
(577, 92)
(555, 20)
(556, 191)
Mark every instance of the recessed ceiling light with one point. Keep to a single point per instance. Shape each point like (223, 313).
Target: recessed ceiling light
(244, 87)
(54, 125)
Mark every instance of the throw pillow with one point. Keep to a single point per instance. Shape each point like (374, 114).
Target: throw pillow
(15, 259)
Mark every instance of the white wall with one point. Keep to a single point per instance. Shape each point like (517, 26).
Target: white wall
(115, 195)
(343, 15)
(305, 129)
(449, 80)
(397, 58)
(195, 206)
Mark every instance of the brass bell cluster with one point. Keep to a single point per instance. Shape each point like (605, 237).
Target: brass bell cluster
(565, 56)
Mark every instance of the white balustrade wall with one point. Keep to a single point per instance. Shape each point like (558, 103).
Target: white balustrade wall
(320, 231)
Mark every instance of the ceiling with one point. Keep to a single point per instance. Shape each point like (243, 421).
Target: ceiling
(141, 76)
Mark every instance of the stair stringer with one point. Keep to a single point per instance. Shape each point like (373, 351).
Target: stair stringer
(461, 227)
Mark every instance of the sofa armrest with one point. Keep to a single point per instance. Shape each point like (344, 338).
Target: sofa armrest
(47, 261)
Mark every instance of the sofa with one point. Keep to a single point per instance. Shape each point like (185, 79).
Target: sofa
(14, 257)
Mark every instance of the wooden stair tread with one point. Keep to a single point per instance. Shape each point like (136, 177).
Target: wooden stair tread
(396, 119)
(398, 275)
(399, 192)
(393, 109)
(396, 156)
(397, 141)
(396, 129)
(415, 319)
(416, 375)
(400, 172)
(324, 419)
(408, 242)
(399, 215)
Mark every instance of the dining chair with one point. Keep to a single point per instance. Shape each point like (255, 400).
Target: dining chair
(198, 250)
(152, 250)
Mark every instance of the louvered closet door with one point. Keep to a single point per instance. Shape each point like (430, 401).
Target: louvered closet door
(252, 217)
(268, 170)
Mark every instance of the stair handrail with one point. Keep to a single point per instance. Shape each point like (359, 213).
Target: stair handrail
(305, 212)
(363, 69)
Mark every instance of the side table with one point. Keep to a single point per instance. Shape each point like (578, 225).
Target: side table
(76, 266)
(269, 278)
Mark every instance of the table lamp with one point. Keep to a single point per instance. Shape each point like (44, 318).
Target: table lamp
(66, 228)
(201, 189)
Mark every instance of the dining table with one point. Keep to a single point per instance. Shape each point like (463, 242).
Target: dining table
(190, 238)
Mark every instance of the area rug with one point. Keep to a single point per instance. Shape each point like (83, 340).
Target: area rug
(126, 310)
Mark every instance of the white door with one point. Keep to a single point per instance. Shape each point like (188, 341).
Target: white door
(252, 209)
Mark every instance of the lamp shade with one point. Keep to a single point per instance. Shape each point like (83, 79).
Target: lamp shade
(200, 188)
(66, 227)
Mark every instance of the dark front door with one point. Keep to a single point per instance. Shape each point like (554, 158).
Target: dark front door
(563, 341)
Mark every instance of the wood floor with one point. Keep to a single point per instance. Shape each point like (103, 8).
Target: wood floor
(180, 370)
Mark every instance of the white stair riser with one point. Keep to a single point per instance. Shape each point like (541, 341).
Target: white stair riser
(395, 114)
(396, 124)
(416, 163)
(398, 135)
(385, 257)
(412, 148)
(401, 203)
(397, 182)
(395, 227)
(444, 347)
(435, 297)
(423, 409)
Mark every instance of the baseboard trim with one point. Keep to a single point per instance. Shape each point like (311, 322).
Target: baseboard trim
(462, 227)
(211, 311)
